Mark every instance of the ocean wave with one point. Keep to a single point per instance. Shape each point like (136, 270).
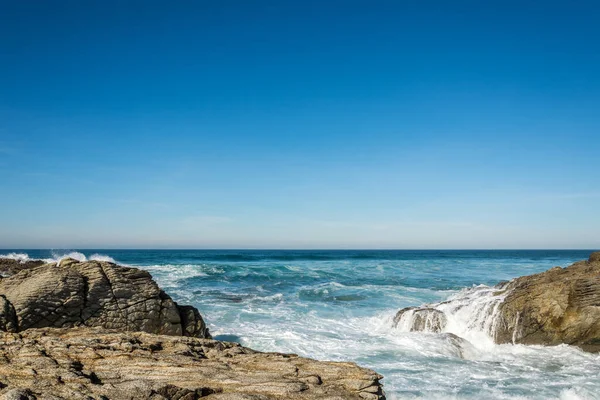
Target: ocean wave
(58, 256)
(22, 257)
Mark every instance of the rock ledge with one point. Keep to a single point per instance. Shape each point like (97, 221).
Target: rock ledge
(92, 363)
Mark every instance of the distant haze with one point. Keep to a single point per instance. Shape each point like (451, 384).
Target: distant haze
(363, 124)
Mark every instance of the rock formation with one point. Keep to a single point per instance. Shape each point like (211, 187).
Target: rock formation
(92, 293)
(561, 305)
(91, 363)
(9, 266)
(421, 319)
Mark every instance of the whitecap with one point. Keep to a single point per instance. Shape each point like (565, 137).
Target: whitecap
(75, 255)
(21, 257)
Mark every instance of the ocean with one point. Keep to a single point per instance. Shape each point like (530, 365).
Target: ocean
(339, 305)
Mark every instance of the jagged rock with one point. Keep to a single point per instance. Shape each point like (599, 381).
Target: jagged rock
(9, 266)
(95, 293)
(561, 305)
(91, 363)
(421, 319)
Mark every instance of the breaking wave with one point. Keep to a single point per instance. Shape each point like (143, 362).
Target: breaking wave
(22, 257)
(471, 313)
(57, 256)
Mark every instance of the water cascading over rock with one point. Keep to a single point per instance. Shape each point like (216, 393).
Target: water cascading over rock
(420, 319)
(559, 306)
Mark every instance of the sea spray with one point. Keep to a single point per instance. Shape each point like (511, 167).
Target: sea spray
(472, 313)
(57, 256)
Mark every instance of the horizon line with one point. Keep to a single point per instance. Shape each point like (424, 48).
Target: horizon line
(294, 249)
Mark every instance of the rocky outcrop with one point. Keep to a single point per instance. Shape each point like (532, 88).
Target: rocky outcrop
(95, 294)
(9, 266)
(421, 319)
(90, 363)
(561, 305)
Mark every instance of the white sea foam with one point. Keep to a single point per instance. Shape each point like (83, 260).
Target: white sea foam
(22, 257)
(58, 256)
(471, 314)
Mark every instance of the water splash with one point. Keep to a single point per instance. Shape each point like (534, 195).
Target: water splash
(59, 256)
(21, 257)
(472, 314)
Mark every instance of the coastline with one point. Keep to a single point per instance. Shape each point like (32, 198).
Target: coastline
(93, 329)
(459, 348)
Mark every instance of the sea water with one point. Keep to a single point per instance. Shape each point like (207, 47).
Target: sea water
(339, 305)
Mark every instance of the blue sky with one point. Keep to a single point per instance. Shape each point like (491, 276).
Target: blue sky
(299, 124)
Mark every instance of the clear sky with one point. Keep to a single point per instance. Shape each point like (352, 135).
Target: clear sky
(300, 124)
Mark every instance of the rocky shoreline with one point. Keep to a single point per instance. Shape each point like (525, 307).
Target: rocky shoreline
(97, 330)
(558, 306)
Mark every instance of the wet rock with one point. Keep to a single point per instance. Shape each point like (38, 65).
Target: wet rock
(92, 363)
(93, 293)
(421, 319)
(561, 305)
(460, 347)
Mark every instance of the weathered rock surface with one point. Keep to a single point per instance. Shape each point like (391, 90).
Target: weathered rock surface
(92, 293)
(9, 267)
(561, 305)
(91, 363)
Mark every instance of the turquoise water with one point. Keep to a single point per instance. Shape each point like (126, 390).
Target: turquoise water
(339, 305)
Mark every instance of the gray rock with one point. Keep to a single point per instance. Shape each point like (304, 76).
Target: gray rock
(94, 293)
(422, 319)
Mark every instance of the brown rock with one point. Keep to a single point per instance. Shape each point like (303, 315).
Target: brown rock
(91, 363)
(561, 305)
(594, 257)
(95, 293)
(9, 267)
